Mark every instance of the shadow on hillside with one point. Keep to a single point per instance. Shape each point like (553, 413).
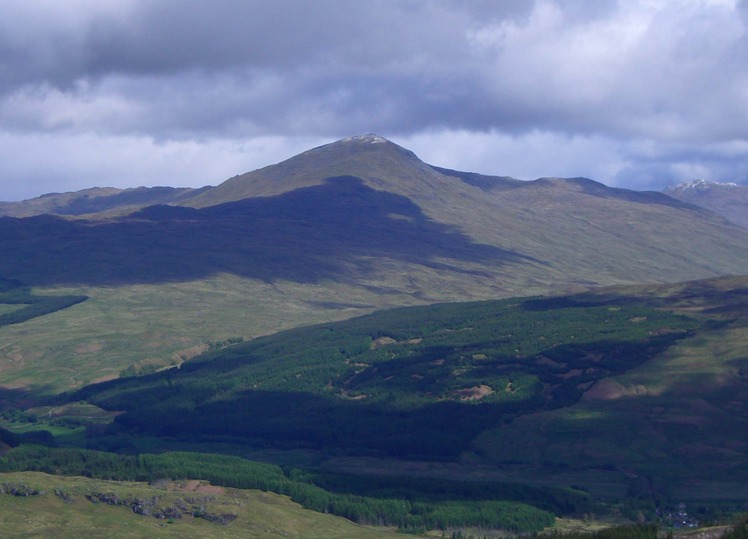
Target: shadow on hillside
(306, 235)
(405, 413)
(295, 420)
(22, 398)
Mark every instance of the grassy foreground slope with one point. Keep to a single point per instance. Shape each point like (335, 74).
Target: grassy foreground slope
(61, 508)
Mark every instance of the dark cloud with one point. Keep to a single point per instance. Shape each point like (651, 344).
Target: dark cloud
(609, 75)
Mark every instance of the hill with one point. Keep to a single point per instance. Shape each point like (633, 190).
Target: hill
(55, 506)
(729, 200)
(362, 207)
(620, 390)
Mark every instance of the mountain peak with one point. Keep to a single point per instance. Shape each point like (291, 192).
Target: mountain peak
(730, 200)
(378, 162)
(369, 138)
(699, 185)
(368, 142)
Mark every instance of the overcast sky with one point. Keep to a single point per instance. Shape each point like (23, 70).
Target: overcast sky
(632, 93)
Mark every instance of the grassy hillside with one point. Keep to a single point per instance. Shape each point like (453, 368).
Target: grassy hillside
(687, 407)
(304, 236)
(636, 394)
(82, 507)
(40, 505)
(161, 324)
(421, 381)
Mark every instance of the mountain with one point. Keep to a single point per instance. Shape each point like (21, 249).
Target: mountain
(379, 163)
(572, 231)
(338, 231)
(356, 209)
(729, 200)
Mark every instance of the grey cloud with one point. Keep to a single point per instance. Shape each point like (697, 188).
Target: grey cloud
(162, 37)
(659, 165)
(672, 73)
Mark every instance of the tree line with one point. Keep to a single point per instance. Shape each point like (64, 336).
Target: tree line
(416, 515)
(14, 293)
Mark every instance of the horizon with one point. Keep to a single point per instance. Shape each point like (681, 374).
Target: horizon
(687, 183)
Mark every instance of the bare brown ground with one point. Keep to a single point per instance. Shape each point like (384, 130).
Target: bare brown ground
(199, 487)
(474, 393)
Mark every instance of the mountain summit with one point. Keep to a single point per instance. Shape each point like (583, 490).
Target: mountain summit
(730, 200)
(369, 138)
(379, 163)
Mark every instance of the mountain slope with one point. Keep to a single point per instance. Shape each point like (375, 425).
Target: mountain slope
(339, 230)
(351, 209)
(97, 200)
(379, 163)
(578, 230)
(674, 424)
(729, 200)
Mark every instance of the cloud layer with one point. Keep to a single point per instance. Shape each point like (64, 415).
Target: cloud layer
(639, 93)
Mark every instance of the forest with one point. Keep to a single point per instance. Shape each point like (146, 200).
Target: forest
(414, 383)
(18, 304)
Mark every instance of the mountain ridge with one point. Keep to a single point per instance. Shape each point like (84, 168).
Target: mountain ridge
(558, 232)
(328, 159)
(101, 201)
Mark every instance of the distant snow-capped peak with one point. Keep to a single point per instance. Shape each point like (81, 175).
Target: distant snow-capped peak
(701, 185)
